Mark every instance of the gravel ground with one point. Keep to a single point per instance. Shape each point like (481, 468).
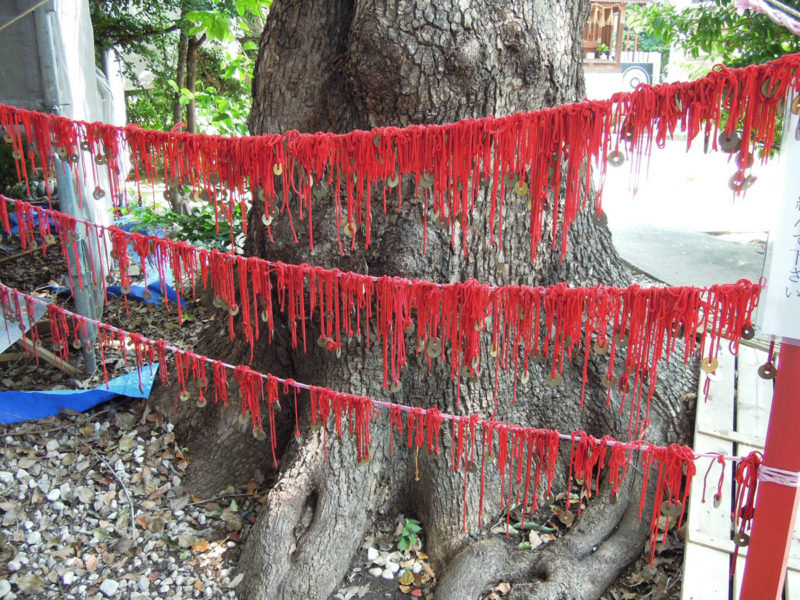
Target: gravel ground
(92, 507)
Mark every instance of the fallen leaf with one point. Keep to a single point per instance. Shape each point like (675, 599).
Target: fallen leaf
(252, 486)
(406, 589)
(406, 578)
(196, 500)
(31, 584)
(236, 580)
(416, 593)
(198, 585)
(427, 568)
(141, 522)
(201, 545)
(91, 563)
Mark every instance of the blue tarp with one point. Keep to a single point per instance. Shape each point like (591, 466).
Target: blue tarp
(25, 406)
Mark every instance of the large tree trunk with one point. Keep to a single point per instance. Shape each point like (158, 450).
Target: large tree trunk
(357, 64)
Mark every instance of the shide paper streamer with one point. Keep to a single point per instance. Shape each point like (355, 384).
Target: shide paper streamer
(516, 326)
(525, 456)
(543, 154)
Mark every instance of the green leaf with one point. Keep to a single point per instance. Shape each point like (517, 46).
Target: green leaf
(249, 45)
(234, 506)
(403, 544)
(524, 545)
(412, 526)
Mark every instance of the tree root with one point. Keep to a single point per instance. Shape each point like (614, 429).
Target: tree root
(312, 524)
(581, 565)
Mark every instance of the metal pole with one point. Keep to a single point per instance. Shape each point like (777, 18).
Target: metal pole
(84, 300)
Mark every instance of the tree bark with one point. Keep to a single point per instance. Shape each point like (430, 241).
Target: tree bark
(356, 64)
(180, 74)
(192, 48)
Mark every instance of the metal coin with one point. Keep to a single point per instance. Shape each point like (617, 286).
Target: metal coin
(748, 332)
(86, 146)
(98, 193)
(601, 348)
(7, 138)
(621, 340)
(493, 351)
(767, 88)
(608, 383)
(555, 381)
(767, 371)
(393, 181)
(709, 365)
(745, 161)
(395, 387)
(125, 289)
(616, 158)
(729, 142)
(277, 168)
(566, 518)
(426, 180)
(233, 310)
(521, 188)
(670, 509)
(717, 500)
(796, 105)
(601, 219)
(76, 343)
(524, 377)
(258, 433)
(183, 396)
(434, 348)
(463, 371)
(264, 316)
(613, 498)
(741, 539)
(266, 220)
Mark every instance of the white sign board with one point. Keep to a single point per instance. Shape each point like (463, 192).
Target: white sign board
(779, 306)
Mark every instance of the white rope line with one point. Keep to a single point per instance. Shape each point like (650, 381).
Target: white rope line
(779, 476)
(780, 17)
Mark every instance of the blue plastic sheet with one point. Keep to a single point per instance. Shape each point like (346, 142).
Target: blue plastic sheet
(25, 406)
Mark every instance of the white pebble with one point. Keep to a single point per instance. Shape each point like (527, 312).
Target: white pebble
(375, 571)
(387, 574)
(33, 538)
(393, 567)
(143, 582)
(372, 554)
(6, 477)
(52, 445)
(68, 578)
(109, 587)
(5, 587)
(54, 494)
(417, 568)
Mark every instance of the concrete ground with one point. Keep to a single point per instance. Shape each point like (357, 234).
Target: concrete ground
(683, 226)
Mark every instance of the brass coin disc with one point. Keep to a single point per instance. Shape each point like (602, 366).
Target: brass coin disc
(717, 500)
(745, 161)
(796, 105)
(521, 188)
(736, 182)
(616, 158)
(259, 434)
(426, 180)
(98, 193)
(218, 301)
(147, 294)
(608, 383)
(768, 90)
(233, 310)
(767, 371)
(349, 229)
(748, 182)
(709, 365)
(61, 152)
(244, 417)
(670, 509)
(463, 371)
(266, 220)
(86, 146)
(524, 377)
(101, 159)
(125, 289)
(601, 219)
(277, 169)
(566, 518)
(71, 158)
(555, 381)
(493, 350)
(76, 343)
(621, 340)
(49, 239)
(396, 387)
(264, 316)
(15, 154)
(201, 402)
(601, 348)
(393, 181)
(741, 539)
(748, 332)
(613, 498)
(729, 142)
(7, 138)
(434, 348)
(183, 396)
